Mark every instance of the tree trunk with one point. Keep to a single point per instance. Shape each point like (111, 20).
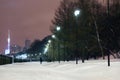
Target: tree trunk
(98, 37)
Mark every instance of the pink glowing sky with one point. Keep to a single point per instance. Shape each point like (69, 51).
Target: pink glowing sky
(26, 19)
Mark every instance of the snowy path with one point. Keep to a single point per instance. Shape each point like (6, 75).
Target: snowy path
(90, 70)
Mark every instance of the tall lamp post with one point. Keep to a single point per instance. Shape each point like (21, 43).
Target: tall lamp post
(58, 29)
(76, 13)
(53, 36)
(108, 9)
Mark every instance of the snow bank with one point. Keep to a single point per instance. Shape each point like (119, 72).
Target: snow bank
(90, 70)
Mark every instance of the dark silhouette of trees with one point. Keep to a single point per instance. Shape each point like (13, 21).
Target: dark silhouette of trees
(35, 50)
(94, 31)
(66, 36)
(109, 26)
(74, 31)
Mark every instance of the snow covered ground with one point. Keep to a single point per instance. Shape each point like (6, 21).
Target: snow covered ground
(90, 70)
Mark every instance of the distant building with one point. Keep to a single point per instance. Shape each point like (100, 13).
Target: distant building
(15, 49)
(27, 44)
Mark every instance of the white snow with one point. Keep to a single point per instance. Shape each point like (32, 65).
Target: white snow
(90, 70)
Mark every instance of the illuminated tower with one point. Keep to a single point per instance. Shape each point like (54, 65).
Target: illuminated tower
(7, 51)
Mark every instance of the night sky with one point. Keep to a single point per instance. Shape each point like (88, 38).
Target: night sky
(26, 19)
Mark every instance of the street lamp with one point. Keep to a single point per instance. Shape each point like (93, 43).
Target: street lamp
(53, 36)
(58, 28)
(108, 14)
(49, 41)
(76, 13)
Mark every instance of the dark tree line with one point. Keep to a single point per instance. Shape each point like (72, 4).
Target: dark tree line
(94, 31)
(36, 49)
(92, 34)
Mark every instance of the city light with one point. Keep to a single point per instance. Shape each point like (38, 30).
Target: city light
(7, 51)
(23, 56)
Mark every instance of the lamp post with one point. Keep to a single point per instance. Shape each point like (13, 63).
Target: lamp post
(108, 9)
(58, 29)
(40, 58)
(53, 37)
(12, 58)
(76, 13)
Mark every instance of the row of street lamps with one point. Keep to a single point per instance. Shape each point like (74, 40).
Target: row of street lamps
(58, 28)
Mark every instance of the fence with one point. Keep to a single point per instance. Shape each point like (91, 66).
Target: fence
(5, 59)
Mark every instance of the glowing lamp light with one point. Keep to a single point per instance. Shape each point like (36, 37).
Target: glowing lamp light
(53, 36)
(58, 28)
(46, 49)
(49, 41)
(77, 12)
